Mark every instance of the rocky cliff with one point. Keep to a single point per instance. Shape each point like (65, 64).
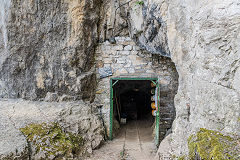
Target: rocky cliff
(48, 49)
(203, 38)
(47, 53)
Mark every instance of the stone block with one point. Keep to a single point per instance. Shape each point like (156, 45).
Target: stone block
(115, 57)
(108, 60)
(150, 71)
(128, 39)
(128, 64)
(134, 52)
(105, 55)
(140, 71)
(148, 67)
(121, 71)
(139, 58)
(119, 39)
(117, 65)
(131, 43)
(138, 67)
(132, 57)
(164, 82)
(128, 48)
(131, 70)
(107, 65)
(138, 62)
(113, 52)
(117, 48)
(105, 48)
(124, 53)
(136, 48)
(121, 60)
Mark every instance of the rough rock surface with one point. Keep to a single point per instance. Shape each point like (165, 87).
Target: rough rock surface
(16, 114)
(49, 50)
(203, 38)
(113, 20)
(13, 143)
(48, 54)
(148, 26)
(85, 122)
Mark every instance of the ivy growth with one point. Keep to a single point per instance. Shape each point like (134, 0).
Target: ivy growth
(139, 3)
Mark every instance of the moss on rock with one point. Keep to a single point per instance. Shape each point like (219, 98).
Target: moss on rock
(182, 157)
(51, 141)
(207, 144)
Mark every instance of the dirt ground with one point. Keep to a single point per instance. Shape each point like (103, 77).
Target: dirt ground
(133, 142)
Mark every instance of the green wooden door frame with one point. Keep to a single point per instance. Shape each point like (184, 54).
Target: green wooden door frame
(114, 81)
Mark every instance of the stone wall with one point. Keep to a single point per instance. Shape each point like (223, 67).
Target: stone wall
(126, 58)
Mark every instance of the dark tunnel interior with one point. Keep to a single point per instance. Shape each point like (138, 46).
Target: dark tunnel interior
(132, 100)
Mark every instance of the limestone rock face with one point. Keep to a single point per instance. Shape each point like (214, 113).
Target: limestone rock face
(78, 118)
(16, 114)
(13, 143)
(83, 121)
(49, 49)
(148, 26)
(47, 53)
(203, 38)
(113, 20)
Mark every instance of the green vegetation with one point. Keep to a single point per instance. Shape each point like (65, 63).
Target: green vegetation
(139, 2)
(122, 154)
(52, 140)
(182, 157)
(210, 144)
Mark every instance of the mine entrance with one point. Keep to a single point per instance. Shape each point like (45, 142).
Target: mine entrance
(135, 104)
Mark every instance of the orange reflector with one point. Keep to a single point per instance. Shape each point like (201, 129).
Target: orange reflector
(153, 105)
